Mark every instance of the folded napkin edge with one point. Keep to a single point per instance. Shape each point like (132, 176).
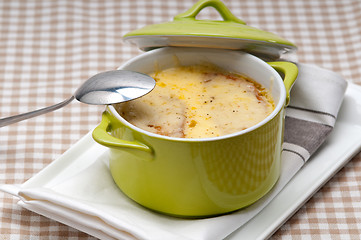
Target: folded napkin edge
(12, 189)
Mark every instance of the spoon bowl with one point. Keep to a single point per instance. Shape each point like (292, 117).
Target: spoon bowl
(102, 89)
(114, 87)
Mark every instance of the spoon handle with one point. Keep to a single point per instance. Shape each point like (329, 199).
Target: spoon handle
(17, 118)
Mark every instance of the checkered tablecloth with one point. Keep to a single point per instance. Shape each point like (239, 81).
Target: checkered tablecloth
(47, 48)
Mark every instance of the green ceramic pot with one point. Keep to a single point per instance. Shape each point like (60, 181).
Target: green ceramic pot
(199, 177)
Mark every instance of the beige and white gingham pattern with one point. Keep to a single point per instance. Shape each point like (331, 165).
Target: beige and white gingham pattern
(47, 48)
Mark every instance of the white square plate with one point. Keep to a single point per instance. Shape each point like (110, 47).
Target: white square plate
(342, 144)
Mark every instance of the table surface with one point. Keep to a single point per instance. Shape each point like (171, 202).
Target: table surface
(48, 48)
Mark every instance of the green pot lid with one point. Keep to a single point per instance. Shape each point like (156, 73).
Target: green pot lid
(230, 33)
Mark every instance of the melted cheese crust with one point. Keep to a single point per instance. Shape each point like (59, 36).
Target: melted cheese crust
(198, 102)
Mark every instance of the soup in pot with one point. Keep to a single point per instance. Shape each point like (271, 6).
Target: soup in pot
(198, 101)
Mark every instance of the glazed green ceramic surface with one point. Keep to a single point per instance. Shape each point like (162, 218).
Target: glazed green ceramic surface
(199, 177)
(194, 179)
(231, 29)
(290, 72)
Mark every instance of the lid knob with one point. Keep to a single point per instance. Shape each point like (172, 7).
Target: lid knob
(216, 4)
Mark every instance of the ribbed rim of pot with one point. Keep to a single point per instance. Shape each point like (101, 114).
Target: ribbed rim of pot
(278, 108)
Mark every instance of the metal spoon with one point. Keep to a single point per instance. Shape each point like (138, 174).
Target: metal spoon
(104, 88)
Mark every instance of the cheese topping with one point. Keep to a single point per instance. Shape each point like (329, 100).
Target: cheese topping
(198, 102)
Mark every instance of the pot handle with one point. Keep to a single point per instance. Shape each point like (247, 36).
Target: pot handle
(216, 4)
(101, 135)
(290, 72)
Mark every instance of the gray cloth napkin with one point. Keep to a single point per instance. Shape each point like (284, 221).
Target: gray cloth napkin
(316, 98)
(96, 206)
